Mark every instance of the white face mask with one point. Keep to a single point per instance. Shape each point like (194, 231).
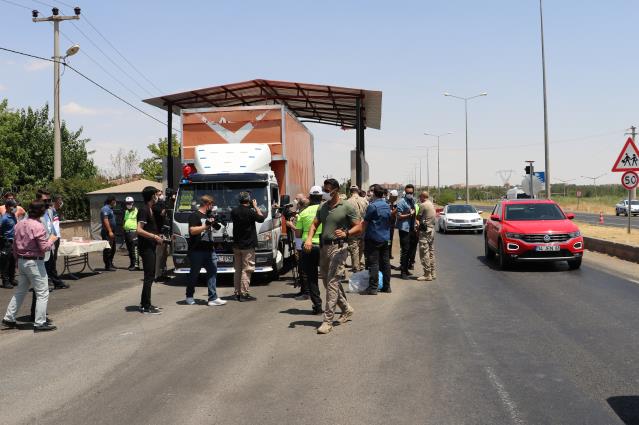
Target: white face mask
(409, 196)
(162, 198)
(214, 209)
(129, 206)
(326, 196)
(155, 199)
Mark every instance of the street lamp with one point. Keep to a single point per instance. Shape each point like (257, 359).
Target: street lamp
(438, 136)
(466, 99)
(543, 70)
(594, 181)
(56, 18)
(428, 148)
(564, 182)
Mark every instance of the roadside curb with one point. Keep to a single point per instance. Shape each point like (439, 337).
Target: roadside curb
(619, 250)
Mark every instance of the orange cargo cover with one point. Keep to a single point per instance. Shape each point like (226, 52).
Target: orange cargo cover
(290, 141)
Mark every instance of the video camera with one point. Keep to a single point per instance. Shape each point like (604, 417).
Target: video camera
(165, 233)
(218, 220)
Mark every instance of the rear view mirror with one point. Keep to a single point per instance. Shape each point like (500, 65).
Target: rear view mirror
(480, 212)
(494, 217)
(570, 216)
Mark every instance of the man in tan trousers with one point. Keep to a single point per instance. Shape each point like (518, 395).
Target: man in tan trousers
(339, 221)
(244, 218)
(356, 244)
(426, 234)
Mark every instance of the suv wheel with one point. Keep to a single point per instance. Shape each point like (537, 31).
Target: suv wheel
(488, 252)
(617, 213)
(574, 264)
(504, 262)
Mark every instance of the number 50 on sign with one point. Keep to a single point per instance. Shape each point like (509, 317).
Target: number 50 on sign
(629, 180)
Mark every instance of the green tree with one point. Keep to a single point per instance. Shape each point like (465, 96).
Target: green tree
(152, 167)
(26, 148)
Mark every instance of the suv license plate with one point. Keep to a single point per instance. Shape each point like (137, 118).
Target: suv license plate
(547, 248)
(225, 258)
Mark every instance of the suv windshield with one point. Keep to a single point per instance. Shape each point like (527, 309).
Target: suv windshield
(225, 195)
(523, 212)
(461, 209)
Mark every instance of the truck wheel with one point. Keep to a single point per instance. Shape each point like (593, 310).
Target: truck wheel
(488, 252)
(574, 264)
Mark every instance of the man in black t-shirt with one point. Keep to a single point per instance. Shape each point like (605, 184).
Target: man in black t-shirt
(148, 239)
(202, 251)
(244, 218)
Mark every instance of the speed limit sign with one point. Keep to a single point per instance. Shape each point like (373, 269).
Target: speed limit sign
(629, 180)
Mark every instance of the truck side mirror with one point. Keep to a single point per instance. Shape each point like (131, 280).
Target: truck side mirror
(285, 200)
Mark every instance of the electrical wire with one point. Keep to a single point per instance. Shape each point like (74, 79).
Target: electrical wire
(16, 4)
(88, 79)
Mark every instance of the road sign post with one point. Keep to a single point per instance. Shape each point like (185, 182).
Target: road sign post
(629, 180)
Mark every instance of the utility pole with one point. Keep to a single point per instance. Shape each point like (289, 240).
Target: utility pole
(543, 68)
(56, 18)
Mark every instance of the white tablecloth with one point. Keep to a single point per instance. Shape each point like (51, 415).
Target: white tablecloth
(75, 249)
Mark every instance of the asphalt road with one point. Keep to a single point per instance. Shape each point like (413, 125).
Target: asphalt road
(535, 345)
(609, 220)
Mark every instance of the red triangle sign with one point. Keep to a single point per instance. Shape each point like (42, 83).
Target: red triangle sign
(628, 159)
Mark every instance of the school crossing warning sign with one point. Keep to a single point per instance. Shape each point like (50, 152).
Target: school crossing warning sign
(628, 159)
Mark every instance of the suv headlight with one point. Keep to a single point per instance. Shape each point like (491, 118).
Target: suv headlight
(574, 234)
(514, 235)
(265, 241)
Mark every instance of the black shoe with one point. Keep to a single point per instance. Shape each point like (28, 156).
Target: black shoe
(44, 328)
(9, 323)
(248, 297)
(386, 290)
(7, 286)
(317, 310)
(131, 268)
(61, 286)
(150, 310)
(368, 291)
(110, 269)
(238, 297)
(156, 307)
(404, 276)
(408, 272)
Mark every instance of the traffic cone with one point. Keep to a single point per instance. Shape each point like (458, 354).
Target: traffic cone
(601, 220)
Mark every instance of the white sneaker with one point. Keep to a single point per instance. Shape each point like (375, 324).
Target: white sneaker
(219, 301)
(190, 301)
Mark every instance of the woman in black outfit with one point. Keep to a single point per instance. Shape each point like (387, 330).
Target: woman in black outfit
(148, 239)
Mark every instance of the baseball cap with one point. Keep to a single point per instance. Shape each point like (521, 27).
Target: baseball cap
(128, 200)
(393, 192)
(315, 190)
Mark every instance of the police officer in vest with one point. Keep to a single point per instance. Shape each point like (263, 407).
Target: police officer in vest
(130, 227)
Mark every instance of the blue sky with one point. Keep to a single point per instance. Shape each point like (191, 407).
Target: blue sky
(412, 51)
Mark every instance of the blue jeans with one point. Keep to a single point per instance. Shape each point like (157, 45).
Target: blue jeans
(208, 261)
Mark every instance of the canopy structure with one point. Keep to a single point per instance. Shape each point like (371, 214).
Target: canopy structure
(348, 108)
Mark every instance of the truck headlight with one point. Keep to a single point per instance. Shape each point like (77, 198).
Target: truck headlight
(265, 241)
(180, 244)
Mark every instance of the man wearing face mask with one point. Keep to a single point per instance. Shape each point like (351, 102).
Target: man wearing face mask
(339, 221)
(159, 211)
(405, 225)
(107, 218)
(8, 222)
(148, 239)
(20, 212)
(202, 250)
(392, 202)
(52, 215)
(130, 231)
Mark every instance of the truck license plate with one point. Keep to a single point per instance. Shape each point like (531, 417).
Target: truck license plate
(547, 248)
(225, 258)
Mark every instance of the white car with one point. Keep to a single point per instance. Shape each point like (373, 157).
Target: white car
(460, 217)
(622, 207)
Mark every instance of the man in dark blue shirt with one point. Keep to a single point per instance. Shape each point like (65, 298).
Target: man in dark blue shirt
(7, 261)
(107, 219)
(376, 227)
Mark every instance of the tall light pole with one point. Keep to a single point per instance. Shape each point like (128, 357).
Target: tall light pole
(543, 70)
(57, 140)
(428, 148)
(466, 99)
(564, 182)
(438, 136)
(594, 180)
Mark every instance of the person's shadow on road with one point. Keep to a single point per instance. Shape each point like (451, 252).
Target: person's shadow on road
(308, 323)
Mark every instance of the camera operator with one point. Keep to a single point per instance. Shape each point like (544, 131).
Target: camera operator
(148, 239)
(202, 250)
(159, 213)
(244, 218)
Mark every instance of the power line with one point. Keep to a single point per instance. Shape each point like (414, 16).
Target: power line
(16, 4)
(88, 79)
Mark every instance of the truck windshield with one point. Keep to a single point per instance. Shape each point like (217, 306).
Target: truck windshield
(225, 194)
(523, 212)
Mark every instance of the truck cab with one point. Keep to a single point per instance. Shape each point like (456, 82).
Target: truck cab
(242, 168)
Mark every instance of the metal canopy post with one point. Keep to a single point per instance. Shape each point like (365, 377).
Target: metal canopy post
(359, 139)
(169, 154)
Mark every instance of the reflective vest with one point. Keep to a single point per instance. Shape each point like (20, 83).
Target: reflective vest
(131, 219)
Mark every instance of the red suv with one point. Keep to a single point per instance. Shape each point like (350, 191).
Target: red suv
(532, 230)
